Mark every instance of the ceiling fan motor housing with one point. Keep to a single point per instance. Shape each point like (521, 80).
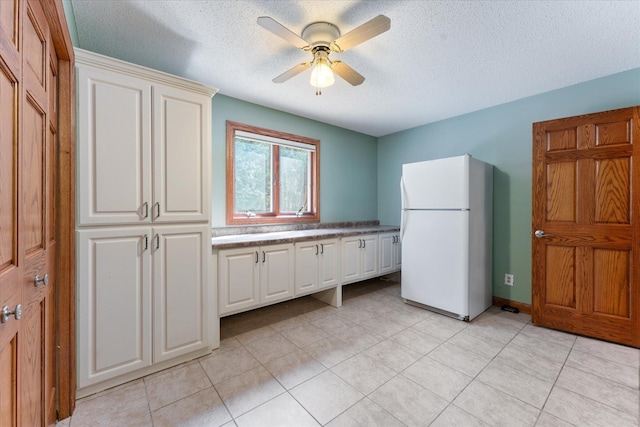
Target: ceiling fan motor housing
(320, 34)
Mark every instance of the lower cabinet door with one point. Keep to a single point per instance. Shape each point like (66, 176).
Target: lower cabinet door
(114, 303)
(180, 288)
(329, 263)
(387, 250)
(369, 256)
(238, 279)
(350, 248)
(306, 274)
(276, 273)
(398, 254)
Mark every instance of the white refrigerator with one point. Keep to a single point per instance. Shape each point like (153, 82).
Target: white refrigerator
(446, 234)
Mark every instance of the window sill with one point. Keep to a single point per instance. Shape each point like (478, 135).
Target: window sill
(282, 219)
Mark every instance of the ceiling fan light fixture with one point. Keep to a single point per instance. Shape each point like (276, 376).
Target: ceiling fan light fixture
(321, 75)
(322, 38)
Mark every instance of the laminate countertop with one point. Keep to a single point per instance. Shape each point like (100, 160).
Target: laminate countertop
(276, 237)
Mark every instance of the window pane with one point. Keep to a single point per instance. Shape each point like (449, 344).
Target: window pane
(252, 176)
(294, 179)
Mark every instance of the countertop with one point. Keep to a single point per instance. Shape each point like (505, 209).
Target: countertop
(270, 238)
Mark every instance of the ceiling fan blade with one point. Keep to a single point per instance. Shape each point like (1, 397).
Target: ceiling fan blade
(292, 72)
(283, 32)
(347, 73)
(364, 32)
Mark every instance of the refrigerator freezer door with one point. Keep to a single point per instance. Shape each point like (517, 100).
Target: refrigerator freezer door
(436, 184)
(435, 259)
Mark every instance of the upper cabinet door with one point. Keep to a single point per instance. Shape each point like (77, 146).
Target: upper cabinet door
(181, 154)
(114, 148)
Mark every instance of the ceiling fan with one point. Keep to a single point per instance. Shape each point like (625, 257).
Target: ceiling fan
(322, 38)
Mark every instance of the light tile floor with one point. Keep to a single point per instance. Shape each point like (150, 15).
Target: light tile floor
(377, 361)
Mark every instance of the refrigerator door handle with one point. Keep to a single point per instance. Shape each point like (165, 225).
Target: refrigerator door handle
(402, 192)
(402, 224)
(402, 212)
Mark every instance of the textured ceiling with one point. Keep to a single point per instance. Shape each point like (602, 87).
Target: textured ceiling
(439, 59)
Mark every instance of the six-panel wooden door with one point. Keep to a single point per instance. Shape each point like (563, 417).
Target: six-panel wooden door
(28, 128)
(586, 225)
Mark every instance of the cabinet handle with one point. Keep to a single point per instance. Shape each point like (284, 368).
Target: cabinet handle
(321, 248)
(364, 244)
(44, 280)
(359, 243)
(256, 257)
(263, 257)
(157, 241)
(157, 209)
(317, 250)
(6, 313)
(146, 242)
(146, 209)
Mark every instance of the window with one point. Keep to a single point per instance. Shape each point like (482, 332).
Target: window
(272, 177)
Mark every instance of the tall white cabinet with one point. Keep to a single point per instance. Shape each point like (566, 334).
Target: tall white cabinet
(145, 300)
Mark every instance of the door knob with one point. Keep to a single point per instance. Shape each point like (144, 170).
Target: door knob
(38, 279)
(540, 234)
(6, 313)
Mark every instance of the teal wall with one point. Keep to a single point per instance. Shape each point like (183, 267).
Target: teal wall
(501, 136)
(360, 174)
(348, 160)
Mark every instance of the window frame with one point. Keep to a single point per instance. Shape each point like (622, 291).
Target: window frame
(275, 217)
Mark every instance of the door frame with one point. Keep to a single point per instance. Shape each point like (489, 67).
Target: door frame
(65, 212)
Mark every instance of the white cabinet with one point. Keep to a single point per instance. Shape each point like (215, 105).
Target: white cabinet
(143, 221)
(359, 257)
(253, 276)
(238, 279)
(276, 273)
(390, 253)
(114, 303)
(143, 145)
(182, 149)
(142, 298)
(317, 265)
(181, 290)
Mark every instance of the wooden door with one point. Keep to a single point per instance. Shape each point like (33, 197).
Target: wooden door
(586, 260)
(28, 96)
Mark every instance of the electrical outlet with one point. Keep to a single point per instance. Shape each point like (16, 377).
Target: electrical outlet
(508, 279)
